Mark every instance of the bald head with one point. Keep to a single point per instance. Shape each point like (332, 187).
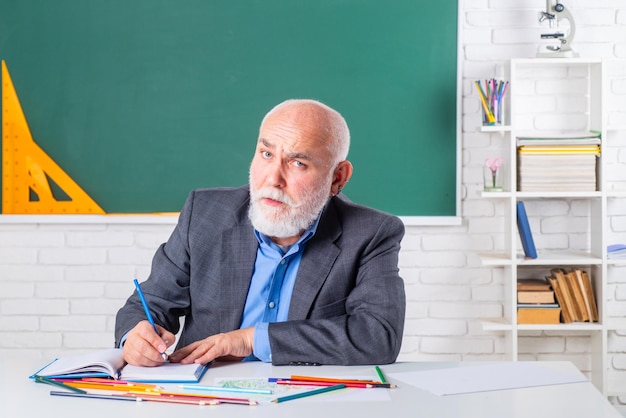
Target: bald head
(323, 123)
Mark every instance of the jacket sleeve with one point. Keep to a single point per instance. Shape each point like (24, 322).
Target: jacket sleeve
(166, 289)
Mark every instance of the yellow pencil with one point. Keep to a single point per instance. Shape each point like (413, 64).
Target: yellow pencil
(490, 117)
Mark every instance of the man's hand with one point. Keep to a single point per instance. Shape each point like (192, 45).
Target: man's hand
(143, 347)
(238, 343)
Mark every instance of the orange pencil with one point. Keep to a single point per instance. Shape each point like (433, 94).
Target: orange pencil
(114, 382)
(110, 387)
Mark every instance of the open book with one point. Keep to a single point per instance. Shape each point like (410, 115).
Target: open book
(110, 363)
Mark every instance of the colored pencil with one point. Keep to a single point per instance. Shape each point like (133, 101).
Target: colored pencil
(41, 379)
(308, 393)
(276, 379)
(147, 310)
(172, 397)
(483, 99)
(134, 398)
(381, 376)
(228, 389)
(115, 383)
(109, 386)
(220, 399)
(332, 379)
(145, 305)
(348, 385)
(107, 381)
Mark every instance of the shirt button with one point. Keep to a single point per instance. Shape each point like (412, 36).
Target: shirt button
(282, 261)
(271, 305)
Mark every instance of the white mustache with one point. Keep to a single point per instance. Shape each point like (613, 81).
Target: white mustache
(275, 194)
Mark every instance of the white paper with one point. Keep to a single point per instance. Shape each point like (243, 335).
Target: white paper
(487, 377)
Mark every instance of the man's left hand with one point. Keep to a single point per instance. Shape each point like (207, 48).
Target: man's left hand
(238, 344)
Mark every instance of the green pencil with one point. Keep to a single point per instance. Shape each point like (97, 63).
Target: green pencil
(381, 376)
(41, 379)
(309, 393)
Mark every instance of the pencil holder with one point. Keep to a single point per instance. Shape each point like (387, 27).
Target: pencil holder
(492, 175)
(488, 117)
(491, 101)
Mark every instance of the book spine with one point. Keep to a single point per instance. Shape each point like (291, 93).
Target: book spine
(526, 236)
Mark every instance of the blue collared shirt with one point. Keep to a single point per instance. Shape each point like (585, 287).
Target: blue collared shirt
(271, 287)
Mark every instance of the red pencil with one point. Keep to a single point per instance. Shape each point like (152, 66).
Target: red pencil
(333, 380)
(220, 399)
(320, 383)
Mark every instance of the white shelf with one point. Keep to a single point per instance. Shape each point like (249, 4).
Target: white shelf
(525, 116)
(544, 258)
(574, 326)
(496, 259)
(547, 258)
(495, 128)
(529, 62)
(559, 195)
(499, 324)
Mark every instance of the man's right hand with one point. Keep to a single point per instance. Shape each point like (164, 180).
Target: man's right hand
(143, 347)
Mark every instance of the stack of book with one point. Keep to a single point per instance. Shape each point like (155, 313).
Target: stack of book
(559, 162)
(536, 303)
(574, 293)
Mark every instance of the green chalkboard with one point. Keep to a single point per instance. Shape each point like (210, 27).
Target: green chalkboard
(140, 101)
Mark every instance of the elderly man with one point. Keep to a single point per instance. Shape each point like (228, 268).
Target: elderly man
(284, 270)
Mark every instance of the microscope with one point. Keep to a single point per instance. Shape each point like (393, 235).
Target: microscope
(555, 13)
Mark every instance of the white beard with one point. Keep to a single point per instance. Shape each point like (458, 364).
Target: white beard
(290, 221)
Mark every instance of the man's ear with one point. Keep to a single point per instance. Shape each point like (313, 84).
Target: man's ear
(342, 174)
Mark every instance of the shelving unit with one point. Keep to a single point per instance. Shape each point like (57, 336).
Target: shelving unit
(548, 94)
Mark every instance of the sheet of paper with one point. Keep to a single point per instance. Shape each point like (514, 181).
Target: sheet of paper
(486, 377)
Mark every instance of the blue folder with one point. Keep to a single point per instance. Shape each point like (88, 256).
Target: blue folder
(524, 232)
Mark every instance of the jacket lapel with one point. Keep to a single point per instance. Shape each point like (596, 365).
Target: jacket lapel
(319, 256)
(239, 246)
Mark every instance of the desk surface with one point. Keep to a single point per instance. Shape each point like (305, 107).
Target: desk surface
(20, 397)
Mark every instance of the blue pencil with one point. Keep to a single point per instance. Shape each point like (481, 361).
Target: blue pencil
(145, 306)
(147, 310)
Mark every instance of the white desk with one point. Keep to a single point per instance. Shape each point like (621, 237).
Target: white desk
(22, 398)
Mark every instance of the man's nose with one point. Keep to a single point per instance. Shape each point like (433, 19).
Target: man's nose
(276, 175)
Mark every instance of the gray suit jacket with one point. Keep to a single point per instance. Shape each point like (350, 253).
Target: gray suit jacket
(348, 300)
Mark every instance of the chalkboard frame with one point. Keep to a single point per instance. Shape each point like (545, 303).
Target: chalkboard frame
(41, 118)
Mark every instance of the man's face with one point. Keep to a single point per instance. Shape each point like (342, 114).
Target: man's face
(290, 176)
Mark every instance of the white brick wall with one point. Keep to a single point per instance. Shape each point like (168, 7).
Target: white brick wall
(61, 284)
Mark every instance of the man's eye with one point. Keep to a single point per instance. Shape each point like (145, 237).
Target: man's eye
(266, 154)
(299, 163)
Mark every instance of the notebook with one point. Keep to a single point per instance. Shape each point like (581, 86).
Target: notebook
(110, 363)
